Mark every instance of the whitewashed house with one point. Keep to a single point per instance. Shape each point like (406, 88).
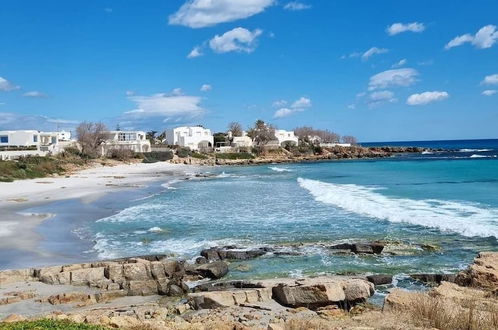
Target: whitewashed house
(64, 136)
(243, 141)
(284, 137)
(19, 143)
(194, 137)
(126, 140)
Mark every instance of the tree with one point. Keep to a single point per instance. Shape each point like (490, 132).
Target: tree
(310, 135)
(235, 128)
(90, 136)
(220, 139)
(262, 133)
(349, 139)
(151, 136)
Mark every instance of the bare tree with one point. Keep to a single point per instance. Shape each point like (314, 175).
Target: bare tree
(262, 133)
(349, 139)
(90, 137)
(235, 128)
(310, 135)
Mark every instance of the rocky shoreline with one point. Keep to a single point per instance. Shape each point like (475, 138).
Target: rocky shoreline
(163, 293)
(335, 153)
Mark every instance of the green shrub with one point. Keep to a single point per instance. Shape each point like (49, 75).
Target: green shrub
(183, 152)
(235, 155)
(157, 156)
(30, 167)
(46, 324)
(198, 155)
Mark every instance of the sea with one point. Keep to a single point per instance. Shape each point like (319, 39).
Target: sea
(436, 209)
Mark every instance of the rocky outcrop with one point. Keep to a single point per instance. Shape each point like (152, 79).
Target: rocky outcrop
(483, 273)
(434, 278)
(380, 279)
(135, 276)
(213, 270)
(360, 248)
(233, 253)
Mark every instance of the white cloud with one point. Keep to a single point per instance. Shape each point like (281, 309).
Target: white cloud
(400, 63)
(130, 93)
(426, 98)
(12, 121)
(173, 105)
(299, 105)
(373, 51)
(7, 86)
(381, 97)
(238, 40)
(486, 37)
(302, 102)
(279, 103)
(206, 88)
(391, 78)
(397, 28)
(202, 13)
(489, 92)
(490, 80)
(195, 52)
(296, 5)
(35, 94)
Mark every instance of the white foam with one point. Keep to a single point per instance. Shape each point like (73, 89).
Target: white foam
(155, 230)
(458, 217)
(474, 150)
(482, 156)
(427, 153)
(279, 169)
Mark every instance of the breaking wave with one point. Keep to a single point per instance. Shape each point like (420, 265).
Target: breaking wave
(279, 169)
(449, 216)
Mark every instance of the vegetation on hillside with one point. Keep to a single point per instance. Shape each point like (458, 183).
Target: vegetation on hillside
(46, 324)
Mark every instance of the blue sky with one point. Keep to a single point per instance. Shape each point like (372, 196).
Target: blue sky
(379, 70)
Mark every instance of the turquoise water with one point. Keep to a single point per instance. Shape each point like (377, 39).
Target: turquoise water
(452, 204)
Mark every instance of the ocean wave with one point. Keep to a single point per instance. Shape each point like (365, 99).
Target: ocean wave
(482, 156)
(474, 150)
(461, 218)
(427, 153)
(279, 169)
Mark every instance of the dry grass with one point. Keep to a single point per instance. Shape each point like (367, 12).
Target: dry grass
(444, 314)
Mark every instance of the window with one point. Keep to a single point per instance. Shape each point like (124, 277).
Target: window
(35, 138)
(4, 139)
(127, 137)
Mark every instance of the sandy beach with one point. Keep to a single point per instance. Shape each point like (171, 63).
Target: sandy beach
(18, 227)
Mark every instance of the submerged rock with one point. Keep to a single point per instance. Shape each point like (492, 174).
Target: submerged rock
(380, 279)
(434, 278)
(213, 270)
(233, 253)
(360, 248)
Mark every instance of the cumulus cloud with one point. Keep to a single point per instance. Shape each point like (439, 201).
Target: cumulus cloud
(35, 94)
(373, 51)
(206, 88)
(381, 97)
(202, 13)
(490, 80)
(296, 5)
(400, 63)
(486, 37)
(13, 121)
(392, 78)
(397, 28)
(195, 52)
(489, 92)
(299, 105)
(6, 86)
(426, 98)
(168, 106)
(302, 102)
(236, 40)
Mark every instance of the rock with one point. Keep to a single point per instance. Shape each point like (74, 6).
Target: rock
(483, 273)
(434, 278)
(50, 275)
(315, 295)
(124, 322)
(360, 248)
(72, 297)
(214, 270)
(357, 290)
(142, 288)
(201, 260)
(136, 272)
(14, 318)
(110, 295)
(88, 276)
(19, 275)
(399, 299)
(211, 300)
(380, 279)
(233, 253)
(175, 290)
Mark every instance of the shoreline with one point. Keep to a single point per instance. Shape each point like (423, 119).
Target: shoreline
(27, 205)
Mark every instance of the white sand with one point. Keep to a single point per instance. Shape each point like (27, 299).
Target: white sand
(17, 229)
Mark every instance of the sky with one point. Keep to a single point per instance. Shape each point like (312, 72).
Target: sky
(378, 70)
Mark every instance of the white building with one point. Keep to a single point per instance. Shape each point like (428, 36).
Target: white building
(14, 144)
(64, 136)
(284, 137)
(194, 137)
(243, 141)
(126, 140)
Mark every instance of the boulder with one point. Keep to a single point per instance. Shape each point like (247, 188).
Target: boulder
(211, 300)
(136, 272)
(360, 248)
(357, 290)
(315, 295)
(88, 276)
(380, 279)
(483, 273)
(434, 278)
(399, 299)
(214, 270)
(142, 288)
(14, 318)
(233, 253)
